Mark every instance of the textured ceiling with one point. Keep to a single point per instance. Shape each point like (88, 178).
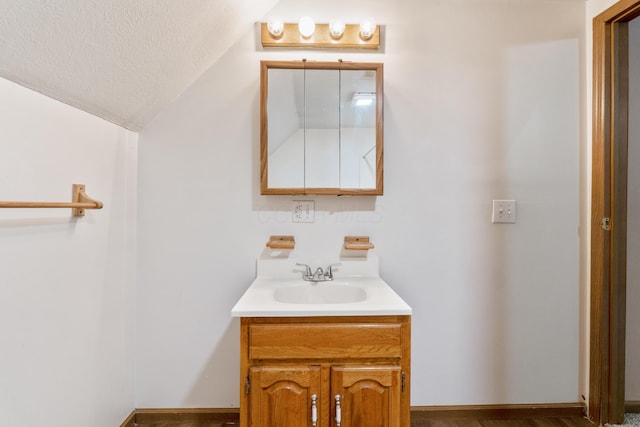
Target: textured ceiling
(122, 60)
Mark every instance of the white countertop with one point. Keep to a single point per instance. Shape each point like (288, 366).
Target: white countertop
(259, 299)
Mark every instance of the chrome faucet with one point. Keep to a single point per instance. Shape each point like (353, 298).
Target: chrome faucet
(329, 273)
(307, 272)
(320, 275)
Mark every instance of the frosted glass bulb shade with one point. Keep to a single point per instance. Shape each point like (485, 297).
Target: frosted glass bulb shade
(306, 26)
(336, 29)
(275, 27)
(367, 28)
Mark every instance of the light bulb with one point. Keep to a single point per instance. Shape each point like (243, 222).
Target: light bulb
(367, 28)
(336, 29)
(363, 99)
(275, 27)
(306, 26)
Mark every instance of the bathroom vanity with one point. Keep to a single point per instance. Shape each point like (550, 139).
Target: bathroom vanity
(319, 361)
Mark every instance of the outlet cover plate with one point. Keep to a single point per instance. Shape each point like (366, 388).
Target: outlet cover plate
(303, 211)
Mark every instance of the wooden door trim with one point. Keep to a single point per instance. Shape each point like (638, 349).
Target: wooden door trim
(608, 248)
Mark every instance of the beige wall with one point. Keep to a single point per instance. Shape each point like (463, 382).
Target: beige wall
(66, 284)
(483, 102)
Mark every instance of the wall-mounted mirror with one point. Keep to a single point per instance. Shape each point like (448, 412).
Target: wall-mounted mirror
(321, 128)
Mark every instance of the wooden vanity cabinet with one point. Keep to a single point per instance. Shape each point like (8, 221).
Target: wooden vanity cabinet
(283, 394)
(303, 371)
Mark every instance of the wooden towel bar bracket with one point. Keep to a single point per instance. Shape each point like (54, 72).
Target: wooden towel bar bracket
(80, 202)
(357, 243)
(281, 242)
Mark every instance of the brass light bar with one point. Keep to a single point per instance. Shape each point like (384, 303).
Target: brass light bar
(321, 37)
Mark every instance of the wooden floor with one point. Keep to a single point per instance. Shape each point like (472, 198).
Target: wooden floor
(525, 422)
(205, 424)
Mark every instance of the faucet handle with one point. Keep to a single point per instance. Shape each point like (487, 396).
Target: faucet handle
(307, 269)
(329, 272)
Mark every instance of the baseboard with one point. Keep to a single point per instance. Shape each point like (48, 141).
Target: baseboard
(632, 407)
(182, 415)
(131, 419)
(498, 412)
(493, 412)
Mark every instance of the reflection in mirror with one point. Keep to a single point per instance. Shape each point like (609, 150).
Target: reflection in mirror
(321, 128)
(286, 133)
(358, 129)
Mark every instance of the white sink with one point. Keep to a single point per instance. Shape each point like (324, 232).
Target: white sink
(320, 293)
(357, 290)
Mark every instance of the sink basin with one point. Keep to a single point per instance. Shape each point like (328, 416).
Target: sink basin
(357, 290)
(319, 293)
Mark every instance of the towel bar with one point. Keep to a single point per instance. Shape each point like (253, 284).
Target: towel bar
(80, 202)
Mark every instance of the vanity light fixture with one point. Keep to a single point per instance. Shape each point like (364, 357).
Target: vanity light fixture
(363, 99)
(307, 34)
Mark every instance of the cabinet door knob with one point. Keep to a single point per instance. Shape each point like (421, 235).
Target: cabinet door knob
(314, 410)
(338, 411)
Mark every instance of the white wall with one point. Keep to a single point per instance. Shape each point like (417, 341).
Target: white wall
(632, 383)
(66, 296)
(482, 102)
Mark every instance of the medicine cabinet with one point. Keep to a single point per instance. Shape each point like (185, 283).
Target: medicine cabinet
(321, 128)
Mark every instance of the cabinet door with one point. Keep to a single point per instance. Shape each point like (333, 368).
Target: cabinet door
(284, 396)
(369, 396)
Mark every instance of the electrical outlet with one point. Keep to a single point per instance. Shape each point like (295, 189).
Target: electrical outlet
(303, 211)
(504, 211)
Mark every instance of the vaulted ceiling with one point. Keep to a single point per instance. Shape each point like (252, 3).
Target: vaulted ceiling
(122, 60)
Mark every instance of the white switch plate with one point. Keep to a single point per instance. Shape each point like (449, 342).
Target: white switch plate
(504, 211)
(303, 211)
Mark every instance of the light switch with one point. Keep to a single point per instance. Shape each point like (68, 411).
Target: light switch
(504, 211)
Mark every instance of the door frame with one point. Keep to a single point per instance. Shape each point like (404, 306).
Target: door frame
(609, 200)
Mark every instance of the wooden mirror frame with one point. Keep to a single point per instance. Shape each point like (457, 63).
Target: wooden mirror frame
(264, 134)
